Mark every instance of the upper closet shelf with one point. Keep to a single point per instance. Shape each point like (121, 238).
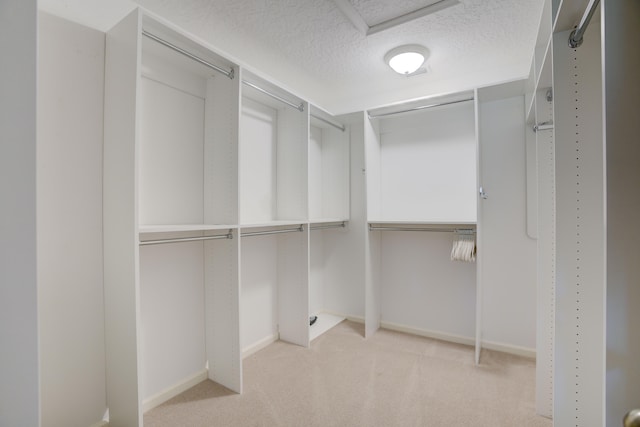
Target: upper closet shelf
(171, 228)
(276, 223)
(424, 223)
(327, 220)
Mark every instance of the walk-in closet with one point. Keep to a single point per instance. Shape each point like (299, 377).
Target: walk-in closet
(201, 196)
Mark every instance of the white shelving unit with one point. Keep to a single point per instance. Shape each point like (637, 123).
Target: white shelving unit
(421, 175)
(207, 218)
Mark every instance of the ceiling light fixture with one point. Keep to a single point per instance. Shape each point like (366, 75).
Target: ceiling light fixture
(407, 59)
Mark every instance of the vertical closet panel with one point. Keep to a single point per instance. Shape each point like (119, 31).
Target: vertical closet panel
(316, 178)
(293, 287)
(291, 158)
(546, 254)
(121, 285)
(580, 285)
(508, 254)
(222, 308)
(621, 35)
(222, 122)
(317, 276)
(372, 239)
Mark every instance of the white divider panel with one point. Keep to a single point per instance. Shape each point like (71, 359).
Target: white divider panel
(222, 112)
(316, 181)
(121, 286)
(546, 277)
(580, 295)
(222, 296)
(317, 276)
(172, 314)
(508, 255)
(293, 287)
(293, 137)
(372, 239)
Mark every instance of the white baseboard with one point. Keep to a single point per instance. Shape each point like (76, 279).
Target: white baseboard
(429, 334)
(173, 391)
(488, 345)
(508, 348)
(100, 424)
(253, 348)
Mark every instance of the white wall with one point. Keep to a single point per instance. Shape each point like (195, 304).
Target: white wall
(508, 254)
(622, 92)
(19, 398)
(422, 288)
(428, 165)
(70, 291)
(258, 290)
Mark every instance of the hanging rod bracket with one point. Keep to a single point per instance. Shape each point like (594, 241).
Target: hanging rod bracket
(576, 36)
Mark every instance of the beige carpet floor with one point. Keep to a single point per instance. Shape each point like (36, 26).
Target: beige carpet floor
(391, 379)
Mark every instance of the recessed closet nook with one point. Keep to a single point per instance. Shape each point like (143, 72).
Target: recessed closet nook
(230, 211)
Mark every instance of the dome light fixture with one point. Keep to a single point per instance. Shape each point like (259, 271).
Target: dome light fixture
(407, 59)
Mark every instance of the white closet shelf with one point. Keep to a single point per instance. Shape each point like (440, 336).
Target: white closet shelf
(171, 228)
(429, 223)
(278, 223)
(325, 322)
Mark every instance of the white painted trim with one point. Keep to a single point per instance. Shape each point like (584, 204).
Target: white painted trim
(102, 423)
(470, 341)
(172, 391)
(485, 345)
(511, 349)
(257, 346)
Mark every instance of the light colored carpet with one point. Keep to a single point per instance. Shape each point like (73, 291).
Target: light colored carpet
(391, 379)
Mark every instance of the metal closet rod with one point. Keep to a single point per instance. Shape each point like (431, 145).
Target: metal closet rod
(339, 127)
(576, 36)
(443, 230)
(422, 107)
(229, 235)
(265, 233)
(230, 73)
(299, 107)
(323, 227)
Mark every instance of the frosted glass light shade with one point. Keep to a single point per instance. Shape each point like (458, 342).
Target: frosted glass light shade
(406, 59)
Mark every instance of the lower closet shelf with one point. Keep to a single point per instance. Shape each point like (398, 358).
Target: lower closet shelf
(325, 322)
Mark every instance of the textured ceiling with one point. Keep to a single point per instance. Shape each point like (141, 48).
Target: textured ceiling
(312, 49)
